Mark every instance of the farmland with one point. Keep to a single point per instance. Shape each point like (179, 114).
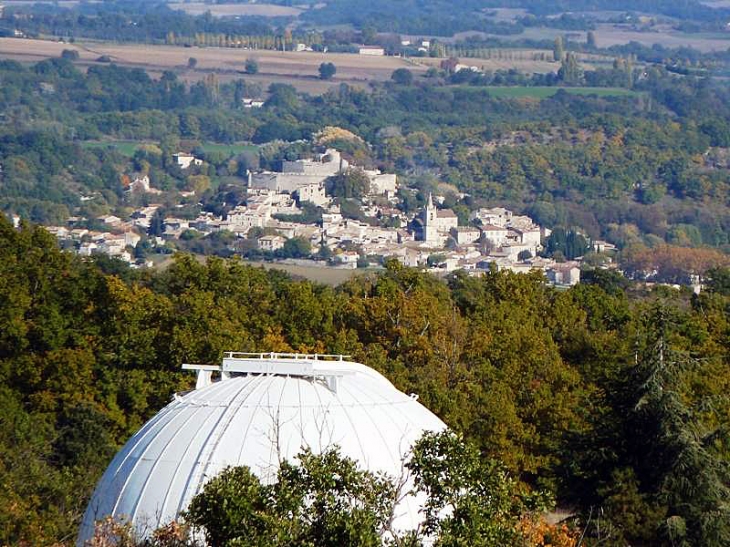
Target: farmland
(610, 34)
(231, 10)
(298, 69)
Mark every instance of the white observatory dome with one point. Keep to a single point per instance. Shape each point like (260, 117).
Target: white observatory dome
(265, 408)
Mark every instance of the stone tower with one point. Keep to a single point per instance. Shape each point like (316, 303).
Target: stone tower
(430, 222)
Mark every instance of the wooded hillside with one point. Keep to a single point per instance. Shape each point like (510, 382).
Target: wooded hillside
(612, 398)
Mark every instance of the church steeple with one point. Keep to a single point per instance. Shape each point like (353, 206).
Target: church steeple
(430, 222)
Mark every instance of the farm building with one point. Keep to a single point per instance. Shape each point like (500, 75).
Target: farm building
(371, 50)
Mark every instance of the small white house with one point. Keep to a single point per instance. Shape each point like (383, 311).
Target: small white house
(184, 161)
(141, 185)
(564, 274)
(87, 249)
(252, 103)
(271, 243)
(348, 258)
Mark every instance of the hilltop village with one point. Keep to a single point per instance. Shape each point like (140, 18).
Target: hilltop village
(273, 223)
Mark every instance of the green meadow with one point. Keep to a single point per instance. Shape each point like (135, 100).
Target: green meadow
(128, 148)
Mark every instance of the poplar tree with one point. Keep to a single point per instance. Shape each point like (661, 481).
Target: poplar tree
(558, 49)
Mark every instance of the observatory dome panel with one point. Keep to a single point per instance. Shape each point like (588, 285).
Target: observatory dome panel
(257, 420)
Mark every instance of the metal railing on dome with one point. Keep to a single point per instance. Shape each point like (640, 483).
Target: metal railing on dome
(294, 356)
(309, 365)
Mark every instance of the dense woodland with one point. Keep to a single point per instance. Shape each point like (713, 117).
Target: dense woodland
(611, 398)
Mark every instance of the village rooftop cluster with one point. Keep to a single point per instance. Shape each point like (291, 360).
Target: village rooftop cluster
(430, 238)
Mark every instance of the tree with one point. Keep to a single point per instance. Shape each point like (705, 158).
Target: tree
(524, 255)
(192, 62)
(295, 247)
(327, 71)
(470, 499)
(157, 224)
(558, 49)
(251, 66)
(70, 54)
(591, 40)
(402, 76)
(325, 501)
(569, 243)
(350, 184)
(570, 71)
(198, 183)
(679, 434)
(369, 35)
(717, 281)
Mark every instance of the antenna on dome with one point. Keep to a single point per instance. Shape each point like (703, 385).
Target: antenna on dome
(329, 367)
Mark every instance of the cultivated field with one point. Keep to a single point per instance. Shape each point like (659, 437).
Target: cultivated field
(298, 69)
(58, 3)
(323, 274)
(609, 35)
(228, 10)
(717, 3)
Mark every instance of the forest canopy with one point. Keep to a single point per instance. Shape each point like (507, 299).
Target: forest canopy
(603, 396)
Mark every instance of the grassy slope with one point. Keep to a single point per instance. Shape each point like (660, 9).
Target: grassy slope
(127, 148)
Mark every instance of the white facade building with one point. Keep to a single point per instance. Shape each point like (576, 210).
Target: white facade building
(313, 193)
(382, 184)
(497, 216)
(271, 243)
(184, 161)
(497, 235)
(464, 235)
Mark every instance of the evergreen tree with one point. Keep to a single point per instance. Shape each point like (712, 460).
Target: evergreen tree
(157, 224)
(327, 71)
(591, 40)
(685, 447)
(251, 66)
